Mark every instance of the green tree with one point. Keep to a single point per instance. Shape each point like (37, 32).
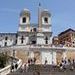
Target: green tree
(3, 59)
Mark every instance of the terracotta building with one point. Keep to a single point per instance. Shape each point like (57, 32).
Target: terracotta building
(55, 40)
(67, 37)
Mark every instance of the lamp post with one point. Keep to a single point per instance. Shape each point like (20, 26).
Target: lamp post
(13, 53)
(14, 49)
(12, 59)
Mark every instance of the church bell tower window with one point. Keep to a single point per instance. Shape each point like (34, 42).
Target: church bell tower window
(24, 20)
(16, 41)
(6, 38)
(22, 39)
(5, 44)
(46, 20)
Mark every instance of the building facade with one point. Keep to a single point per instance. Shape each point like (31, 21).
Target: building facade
(55, 41)
(67, 38)
(34, 40)
(30, 35)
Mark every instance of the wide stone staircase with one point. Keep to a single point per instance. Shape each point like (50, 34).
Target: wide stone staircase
(44, 70)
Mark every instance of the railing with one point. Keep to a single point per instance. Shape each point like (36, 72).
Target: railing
(28, 47)
(19, 63)
(7, 69)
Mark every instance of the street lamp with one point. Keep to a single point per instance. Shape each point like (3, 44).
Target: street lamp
(13, 53)
(12, 58)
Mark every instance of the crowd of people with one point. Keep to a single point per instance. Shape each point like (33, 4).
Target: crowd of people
(26, 65)
(67, 63)
(14, 67)
(64, 64)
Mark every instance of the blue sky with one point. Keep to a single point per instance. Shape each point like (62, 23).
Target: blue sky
(63, 13)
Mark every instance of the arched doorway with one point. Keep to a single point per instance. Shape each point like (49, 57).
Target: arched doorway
(32, 39)
(37, 56)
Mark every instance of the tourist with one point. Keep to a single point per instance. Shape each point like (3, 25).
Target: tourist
(73, 61)
(61, 66)
(29, 61)
(12, 67)
(69, 61)
(16, 66)
(27, 67)
(45, 61)
(23, 67)
(34, 60)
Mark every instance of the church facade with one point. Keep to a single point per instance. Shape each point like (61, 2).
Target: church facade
(29, 33)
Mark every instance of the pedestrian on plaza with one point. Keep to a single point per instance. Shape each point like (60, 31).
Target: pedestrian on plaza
(23, 67)
(12, 68)
(16, 66)
(27, 67)
(73, 61)
(34, 60)
(69, 61)
(29, 61)
(61, 66)
(38, 73)
(45, 61)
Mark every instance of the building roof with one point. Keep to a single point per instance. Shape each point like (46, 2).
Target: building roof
(25, 12)
(8, 33)
(68, 30)
(55, 37)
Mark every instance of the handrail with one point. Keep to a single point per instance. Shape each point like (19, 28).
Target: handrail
(7, 69)
(27, 47)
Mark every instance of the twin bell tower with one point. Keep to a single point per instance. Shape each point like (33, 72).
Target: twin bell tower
(44, 21)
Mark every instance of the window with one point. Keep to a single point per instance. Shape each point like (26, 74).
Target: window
(16, 35)
(46, 20)
(5, 44)
(24, 20)
(34, 29)
(6, 38)
(21, 41)
(73, 42)
(31, 30)
(34, 42)
(46, 40)
(22, 38)
(16, 41)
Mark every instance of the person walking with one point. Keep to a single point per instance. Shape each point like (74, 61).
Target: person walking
(23, 67)
(16, 66)
(27, 67)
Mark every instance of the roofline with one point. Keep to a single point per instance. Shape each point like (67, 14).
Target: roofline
(6, 33)
(66, 31)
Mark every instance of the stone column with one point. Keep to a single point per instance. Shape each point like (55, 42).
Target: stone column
(53, 57)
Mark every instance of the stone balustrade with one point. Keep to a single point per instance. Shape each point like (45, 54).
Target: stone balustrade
(7, 69)
(28, 47)
(19, 63)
